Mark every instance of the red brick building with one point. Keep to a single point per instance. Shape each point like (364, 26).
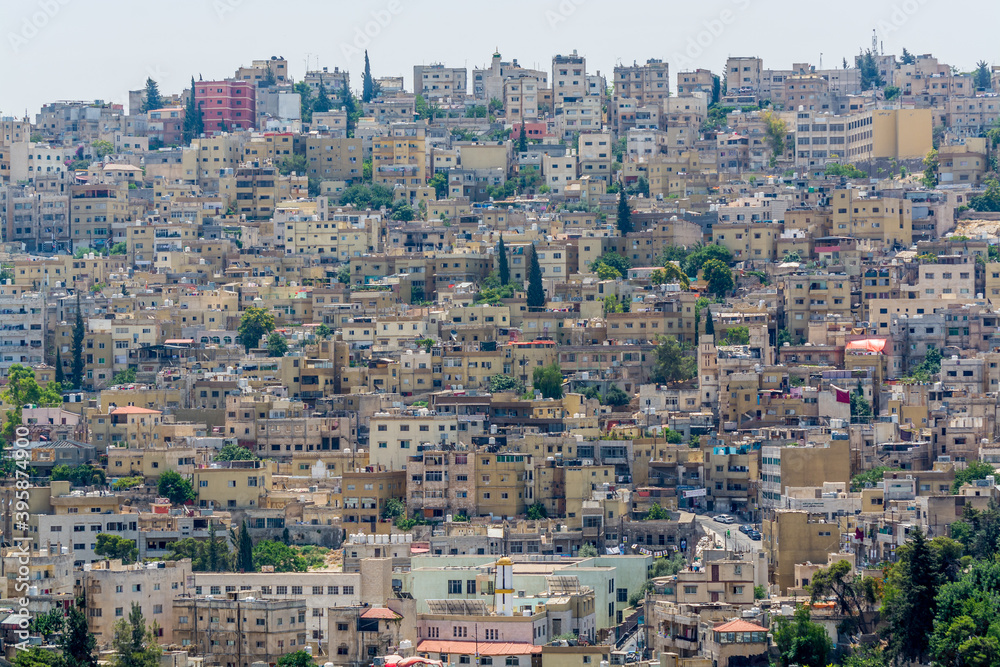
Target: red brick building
(226, 105)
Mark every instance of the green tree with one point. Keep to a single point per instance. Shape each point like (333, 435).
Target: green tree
(368, 196)
(193, 125)
(672, 363)
(548, 380)
(60, 373)
(845, 170)
(909, 603)
(800, 641)
(606, 272)
(277, 346)
(175, 488)
(234, 452)
(33, 656)
(536, 293)
(856, 596)
(973, 471)
(930, 177)
(439, 182)
(114, 546)
(126, 376)
(281, 556)
(616, 397)
(989, 201)
(48, 624)
(908, 58)
(152, 99)
(323, 331)
(871, 76)
(537, 511)
(670, 273)
(587, 551)
(709, 324)
(873, 477)
(718, 276)
(367, 82)
(503, 267)
(305, 100)
(694, 262)
(78, 335)
(612, 259)
(22, 389)
(134, 644)
(624, 218)
(300, 658)
(500, 383)
(393, 509)
(966, 629)
(522, 139)
(657, 513)
(982, 75)
(244, 552)
(776, 131)
(255, 323)
(81, 475)
(759, 592)
(737, 336)
(860, 407)
(78, 645)
(102, 148)
(322, 103)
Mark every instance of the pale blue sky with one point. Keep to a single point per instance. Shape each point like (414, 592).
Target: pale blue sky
(99, 49)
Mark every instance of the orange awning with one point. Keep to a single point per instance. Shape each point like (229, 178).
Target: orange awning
(868, 344)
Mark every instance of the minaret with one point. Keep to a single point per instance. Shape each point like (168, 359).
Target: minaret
(503, 589)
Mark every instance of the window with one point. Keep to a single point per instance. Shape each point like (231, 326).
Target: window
(513, 661)
(348, 590)
(454, 587)
(623, 595)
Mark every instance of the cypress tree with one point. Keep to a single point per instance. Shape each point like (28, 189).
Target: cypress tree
(153, 99)
(522, 139)
(244, 555)
(78, 334)
(624, 214)
(322, 103)
(191, 116)
(60, 374)
(503, 268)
(536, 293)
(79, 646)
(709, 326)
(368, 85)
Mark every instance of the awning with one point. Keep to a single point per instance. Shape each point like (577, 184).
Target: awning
(876, 345)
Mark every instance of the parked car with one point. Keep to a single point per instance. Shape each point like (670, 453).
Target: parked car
(724, 518)
(754, 535)
(746, 529)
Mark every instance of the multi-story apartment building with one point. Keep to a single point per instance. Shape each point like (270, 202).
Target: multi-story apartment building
(241, 628)
(569, 77)
(744, 75)
(22, 328)
(437, 81)
(227, 105)
(112, 588)
(334, 158)
(93, 211)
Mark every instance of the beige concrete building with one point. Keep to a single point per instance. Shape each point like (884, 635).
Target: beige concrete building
(112, 589)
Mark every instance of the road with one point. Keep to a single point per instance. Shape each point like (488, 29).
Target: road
(735, 540)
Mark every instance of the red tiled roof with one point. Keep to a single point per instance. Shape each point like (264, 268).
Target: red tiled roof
(484, 648)
(739, 625)
(381, 612)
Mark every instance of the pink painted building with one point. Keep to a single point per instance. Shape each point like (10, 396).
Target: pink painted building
(226, 105)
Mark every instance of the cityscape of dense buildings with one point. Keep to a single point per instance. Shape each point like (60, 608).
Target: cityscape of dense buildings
(522, 368)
